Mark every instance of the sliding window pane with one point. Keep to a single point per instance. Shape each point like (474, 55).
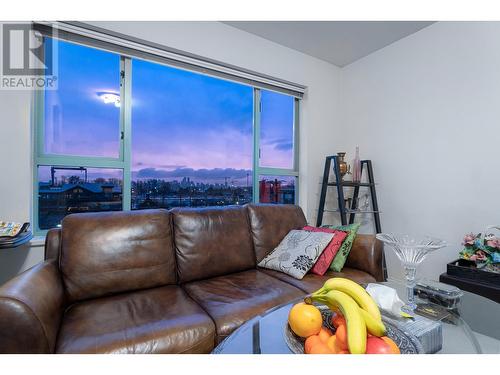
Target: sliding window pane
(191, 139)
(66, 190)
(276, 130)
(277, 189)
(82, 117)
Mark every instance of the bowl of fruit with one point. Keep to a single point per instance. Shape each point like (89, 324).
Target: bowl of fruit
(342, 318)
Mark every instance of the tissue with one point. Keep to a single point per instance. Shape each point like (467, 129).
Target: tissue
(386, 298)
(428, 332)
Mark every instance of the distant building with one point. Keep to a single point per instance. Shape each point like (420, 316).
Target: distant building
(274, 191)
(55, 202)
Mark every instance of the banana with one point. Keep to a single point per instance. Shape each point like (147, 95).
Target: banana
(373, 326)
(354, 290)
(356, 326)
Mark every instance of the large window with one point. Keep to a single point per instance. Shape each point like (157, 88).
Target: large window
(276, 130)
(191, 139)
(277, 163)
(123, 133)
(80, 148)
(77, 119)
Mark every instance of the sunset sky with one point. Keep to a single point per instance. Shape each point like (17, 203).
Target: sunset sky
(183, 124)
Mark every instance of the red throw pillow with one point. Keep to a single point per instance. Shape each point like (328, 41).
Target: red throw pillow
(326, 257)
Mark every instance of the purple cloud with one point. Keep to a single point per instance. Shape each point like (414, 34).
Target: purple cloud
(195, 174)
(283, 146)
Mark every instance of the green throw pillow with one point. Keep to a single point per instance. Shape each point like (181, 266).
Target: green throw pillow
(341, 257)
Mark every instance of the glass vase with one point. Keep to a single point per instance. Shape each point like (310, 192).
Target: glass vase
(411, 251)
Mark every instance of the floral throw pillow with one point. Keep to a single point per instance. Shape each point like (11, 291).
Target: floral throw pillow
(326, 258)
(341, 257)
(297, 252)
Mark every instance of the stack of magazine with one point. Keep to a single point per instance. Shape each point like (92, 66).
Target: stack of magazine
(14, 234)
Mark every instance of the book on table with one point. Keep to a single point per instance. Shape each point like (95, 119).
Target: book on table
(10, 229)
(14, 234)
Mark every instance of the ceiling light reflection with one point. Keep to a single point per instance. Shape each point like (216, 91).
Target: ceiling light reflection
(110, 98)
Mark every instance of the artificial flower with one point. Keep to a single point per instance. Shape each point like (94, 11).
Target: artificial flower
(480, 256)
(483, 251)
(478, 243)
(493, 242)
(469, 239)
(489, 237)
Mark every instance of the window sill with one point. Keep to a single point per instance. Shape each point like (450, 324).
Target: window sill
(37, 241)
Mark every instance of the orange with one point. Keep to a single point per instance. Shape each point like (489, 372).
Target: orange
(392, 345)
(341, 334)
(331, 343)
(337, 320)
(310, 342)
(324, 334)
(320, 348)
(305, 320)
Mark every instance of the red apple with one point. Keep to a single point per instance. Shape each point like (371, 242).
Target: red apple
(375, 345)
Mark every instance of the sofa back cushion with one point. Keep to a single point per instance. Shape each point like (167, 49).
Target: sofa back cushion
(110, 252)
(212, 242)
(270, 223)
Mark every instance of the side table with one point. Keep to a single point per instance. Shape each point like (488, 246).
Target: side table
(486, 290)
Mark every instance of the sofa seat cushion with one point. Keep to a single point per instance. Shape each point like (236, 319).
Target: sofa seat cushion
(311, 282)
(159, 320)
(233, 299)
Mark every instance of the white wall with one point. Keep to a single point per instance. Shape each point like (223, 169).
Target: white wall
(318, 117)
(15, 176)
(426, 110)
(15, 155)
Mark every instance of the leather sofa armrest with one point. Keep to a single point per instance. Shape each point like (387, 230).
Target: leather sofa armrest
(31, 307)
(52, 244)
(367, 254)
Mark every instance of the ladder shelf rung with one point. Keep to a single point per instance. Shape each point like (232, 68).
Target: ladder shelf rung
(351, 184)
(355, 211)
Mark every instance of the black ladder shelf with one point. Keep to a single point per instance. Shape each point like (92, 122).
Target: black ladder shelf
(353, 209)
(340, 184)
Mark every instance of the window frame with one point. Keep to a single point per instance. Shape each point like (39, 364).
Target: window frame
(269, 171)
(123, 162)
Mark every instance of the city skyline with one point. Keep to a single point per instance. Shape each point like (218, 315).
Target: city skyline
(215, 175)
(70, 193)
(244, 178)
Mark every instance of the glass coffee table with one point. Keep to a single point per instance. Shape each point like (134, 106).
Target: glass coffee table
(472, 328)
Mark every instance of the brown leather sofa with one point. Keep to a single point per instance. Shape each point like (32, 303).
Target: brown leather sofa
(158, 281)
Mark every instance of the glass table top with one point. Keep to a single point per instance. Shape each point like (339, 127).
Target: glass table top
(472, 328)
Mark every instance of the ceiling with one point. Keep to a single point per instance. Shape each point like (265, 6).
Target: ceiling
(338, 42)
